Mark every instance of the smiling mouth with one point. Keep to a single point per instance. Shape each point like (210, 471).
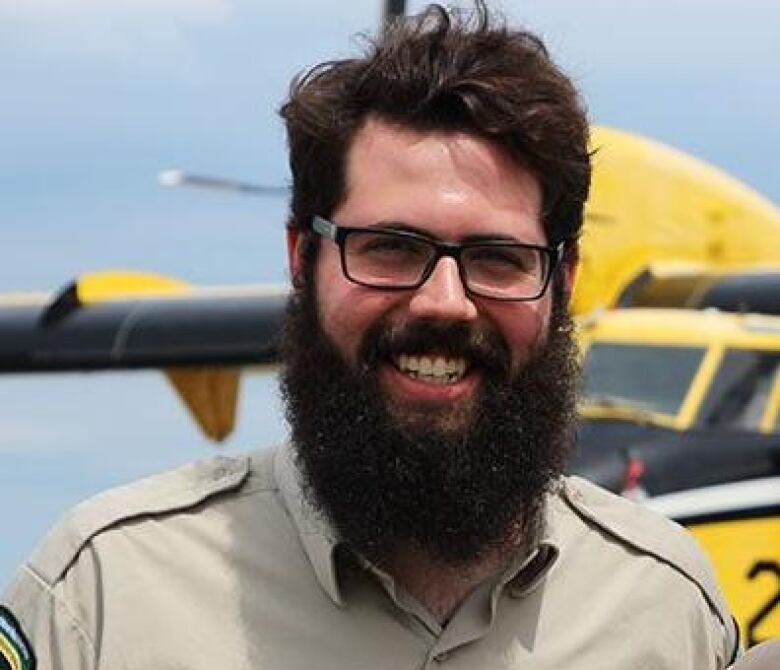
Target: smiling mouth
(432, 368)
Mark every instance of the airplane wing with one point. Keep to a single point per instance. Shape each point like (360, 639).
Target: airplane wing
(235, 326)
(200, 338)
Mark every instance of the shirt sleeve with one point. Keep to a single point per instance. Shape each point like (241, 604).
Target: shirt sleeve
(52, 625)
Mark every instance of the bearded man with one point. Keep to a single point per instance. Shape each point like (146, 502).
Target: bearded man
(419, 516)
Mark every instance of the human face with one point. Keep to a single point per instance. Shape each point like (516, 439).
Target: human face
(454, 487)
(452, 187)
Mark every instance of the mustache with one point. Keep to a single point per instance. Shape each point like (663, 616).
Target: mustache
(481, 346)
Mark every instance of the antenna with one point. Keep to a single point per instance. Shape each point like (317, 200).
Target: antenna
(393, 9)
(176, 178)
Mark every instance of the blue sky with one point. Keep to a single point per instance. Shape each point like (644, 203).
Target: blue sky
(98, 97)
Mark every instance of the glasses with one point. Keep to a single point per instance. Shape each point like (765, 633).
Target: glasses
(396, 260)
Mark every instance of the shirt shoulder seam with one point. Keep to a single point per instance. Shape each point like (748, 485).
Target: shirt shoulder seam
(574, 493)
(164, 494)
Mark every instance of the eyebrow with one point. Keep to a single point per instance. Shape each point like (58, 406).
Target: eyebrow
(401, 227)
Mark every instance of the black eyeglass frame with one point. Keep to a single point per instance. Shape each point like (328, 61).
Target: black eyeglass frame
(339, 234)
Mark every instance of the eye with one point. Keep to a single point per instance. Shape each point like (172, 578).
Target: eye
(503, 260)
(385, 245)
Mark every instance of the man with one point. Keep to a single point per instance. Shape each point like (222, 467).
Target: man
(419, 517)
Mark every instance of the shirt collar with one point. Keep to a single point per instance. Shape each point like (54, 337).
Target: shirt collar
(320, 540)
(317, 536)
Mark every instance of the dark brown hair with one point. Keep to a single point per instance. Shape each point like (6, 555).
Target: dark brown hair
(451, 71)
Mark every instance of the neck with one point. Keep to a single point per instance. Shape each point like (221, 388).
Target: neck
(440, 587)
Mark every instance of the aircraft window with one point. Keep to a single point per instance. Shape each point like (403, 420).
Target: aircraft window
(773, 411)
(643, 377)
(740, 391)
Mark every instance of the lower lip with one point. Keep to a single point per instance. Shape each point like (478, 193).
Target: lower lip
(420, 390)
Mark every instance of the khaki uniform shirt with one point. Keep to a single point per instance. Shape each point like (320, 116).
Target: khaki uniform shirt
(223, 565)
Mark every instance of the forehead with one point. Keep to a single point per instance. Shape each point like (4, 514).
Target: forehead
(450, 184)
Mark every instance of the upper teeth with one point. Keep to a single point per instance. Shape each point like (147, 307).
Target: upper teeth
(433, 368)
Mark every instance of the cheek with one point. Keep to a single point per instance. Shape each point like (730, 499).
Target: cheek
(524, 326)
(347, 310)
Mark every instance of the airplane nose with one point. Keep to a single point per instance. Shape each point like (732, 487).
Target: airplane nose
(443, 295)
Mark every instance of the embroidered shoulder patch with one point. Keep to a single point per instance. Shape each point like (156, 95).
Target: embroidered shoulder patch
(15, 651)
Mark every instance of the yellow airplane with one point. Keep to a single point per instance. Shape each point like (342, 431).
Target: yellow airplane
(702, 436)
(682, 409)
(662, 227)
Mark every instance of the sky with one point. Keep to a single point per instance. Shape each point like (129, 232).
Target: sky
(97, 98)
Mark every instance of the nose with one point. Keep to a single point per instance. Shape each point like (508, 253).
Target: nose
(443, 295)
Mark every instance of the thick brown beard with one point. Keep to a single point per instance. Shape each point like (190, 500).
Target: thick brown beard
(383, 482)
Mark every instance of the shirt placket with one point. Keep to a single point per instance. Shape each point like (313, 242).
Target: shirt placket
(474, 618)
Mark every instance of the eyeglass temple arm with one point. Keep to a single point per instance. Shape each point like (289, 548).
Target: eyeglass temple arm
(323, 227)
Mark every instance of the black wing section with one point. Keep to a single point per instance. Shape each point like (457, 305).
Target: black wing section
(141, 333)
(671, 460)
